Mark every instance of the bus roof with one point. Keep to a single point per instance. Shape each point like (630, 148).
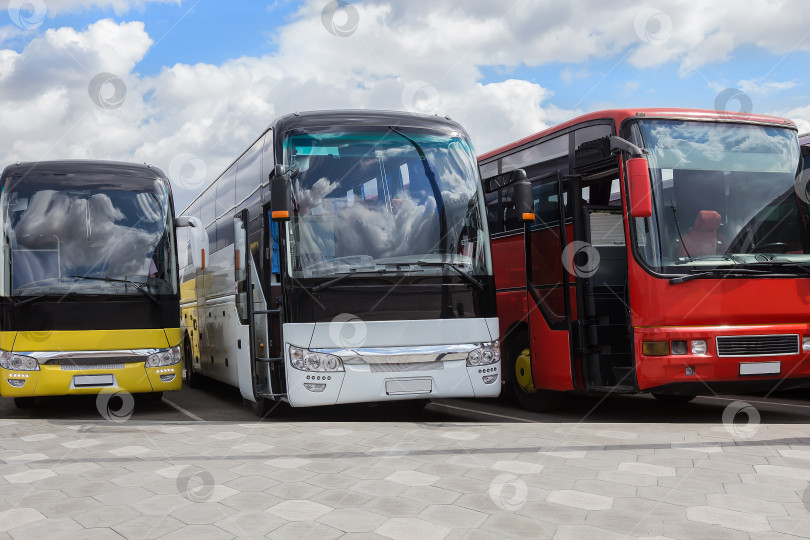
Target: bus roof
(804, 138)
(619, 115)
(361, 117)
(119, 168)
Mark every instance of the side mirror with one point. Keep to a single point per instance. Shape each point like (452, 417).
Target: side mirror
(638, 181)
(524, 201)
(280, 198)
(198, 238)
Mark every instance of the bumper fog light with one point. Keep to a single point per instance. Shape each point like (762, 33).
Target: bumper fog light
(655, 348)
(489, 379)
(16, 383)
(699, 346)
(690, 371)
(168, 378)
(313, 387)
(678, 347)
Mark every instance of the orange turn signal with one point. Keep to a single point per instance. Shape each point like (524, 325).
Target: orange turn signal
(280, 214)
(202, 259)
(528, 216)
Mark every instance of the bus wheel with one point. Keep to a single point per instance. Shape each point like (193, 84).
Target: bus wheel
(670, 399)
(25, 402)
(529, 397)
(192, 379)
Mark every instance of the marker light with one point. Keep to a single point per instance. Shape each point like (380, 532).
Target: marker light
(806, 343)
(18, 362)
(16, 383)
(655, 348)
(699, 346)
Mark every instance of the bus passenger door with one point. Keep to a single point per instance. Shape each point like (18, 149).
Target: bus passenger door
(549, 287)
(253, 371)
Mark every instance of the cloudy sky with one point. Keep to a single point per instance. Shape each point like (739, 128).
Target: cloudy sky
(186, 85)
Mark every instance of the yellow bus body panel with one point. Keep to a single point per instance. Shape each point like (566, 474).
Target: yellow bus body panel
(52, 380)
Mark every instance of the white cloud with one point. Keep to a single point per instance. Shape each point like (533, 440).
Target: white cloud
(418, 54)
(54, 7)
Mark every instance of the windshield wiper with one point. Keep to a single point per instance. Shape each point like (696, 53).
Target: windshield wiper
(716, 272)
(778, 264)
(342, 276)
(478, 285)
(135, 284)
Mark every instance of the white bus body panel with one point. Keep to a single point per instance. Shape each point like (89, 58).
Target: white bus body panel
(391, 373)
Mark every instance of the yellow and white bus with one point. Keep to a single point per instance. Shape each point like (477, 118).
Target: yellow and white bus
(89, 298)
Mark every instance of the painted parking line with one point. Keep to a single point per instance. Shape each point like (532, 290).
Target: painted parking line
(182, 410)
(776, 403)
(476, 411)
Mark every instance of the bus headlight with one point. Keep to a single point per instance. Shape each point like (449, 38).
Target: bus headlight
(167, 357)
(18, 362)
(490, 353)
(306, 360)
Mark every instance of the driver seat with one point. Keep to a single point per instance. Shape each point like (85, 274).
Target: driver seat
(702, 238)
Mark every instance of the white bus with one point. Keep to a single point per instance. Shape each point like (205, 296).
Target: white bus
(343, 258)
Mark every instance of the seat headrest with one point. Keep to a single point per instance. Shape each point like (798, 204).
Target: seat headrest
(707, 220)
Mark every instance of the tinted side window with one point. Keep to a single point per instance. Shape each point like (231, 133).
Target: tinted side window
(493, 212)
(248, 177)
(207, 207)
(225, 191)
(550, 149)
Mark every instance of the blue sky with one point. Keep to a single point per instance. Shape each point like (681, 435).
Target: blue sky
(204, 77)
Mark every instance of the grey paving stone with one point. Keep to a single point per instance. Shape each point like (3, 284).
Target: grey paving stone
(19, 517)
(106, 516)
(577, 532)
(454, 517)
(408, 528)
(341, 498)
(46, 528)
(304, 530)
(195, 532)
(250, 523)
(728, 519)
(395, 507)
(203, 513)
(518, 526)
(430, 495)
(251, 501)
(299, 510)
(353, 520)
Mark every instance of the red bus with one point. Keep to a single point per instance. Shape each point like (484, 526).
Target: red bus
(663, 251)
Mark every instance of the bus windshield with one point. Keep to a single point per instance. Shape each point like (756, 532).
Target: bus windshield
(88, 234)
(390, 199)
(723, 194)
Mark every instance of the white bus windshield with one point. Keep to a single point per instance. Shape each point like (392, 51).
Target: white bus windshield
(87, 235)
(385, 198)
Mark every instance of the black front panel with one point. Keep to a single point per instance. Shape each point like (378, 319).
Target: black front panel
(391, 298)
(91, 313)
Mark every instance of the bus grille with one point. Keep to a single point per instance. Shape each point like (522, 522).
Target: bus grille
(758, 345)
(76, 367)
(399, 368)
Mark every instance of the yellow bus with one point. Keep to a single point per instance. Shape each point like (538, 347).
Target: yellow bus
(89, 296)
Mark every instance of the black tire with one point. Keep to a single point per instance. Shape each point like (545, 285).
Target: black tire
(670, 399)
(190, 377)
(518, 365)
(25, 402)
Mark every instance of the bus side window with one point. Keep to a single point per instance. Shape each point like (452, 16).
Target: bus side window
(493, 215)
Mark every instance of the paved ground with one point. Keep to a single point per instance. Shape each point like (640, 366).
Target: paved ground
(719, 468)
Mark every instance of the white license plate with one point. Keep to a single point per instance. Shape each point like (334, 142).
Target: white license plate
(408, 386)
(93, 380)
(760, 368)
